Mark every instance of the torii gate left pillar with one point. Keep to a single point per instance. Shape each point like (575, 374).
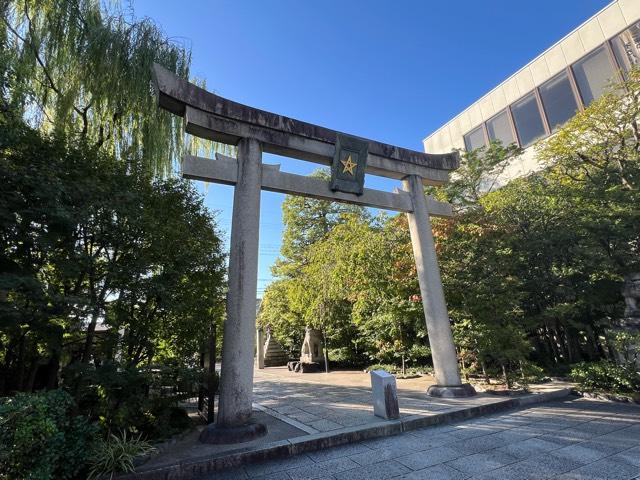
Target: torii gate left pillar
(254, 131)
(236, 384)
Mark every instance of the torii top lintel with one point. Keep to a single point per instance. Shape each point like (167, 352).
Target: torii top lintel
(213, 117)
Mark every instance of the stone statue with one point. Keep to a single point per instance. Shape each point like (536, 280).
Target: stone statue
(311, 355)
(631, 293)
(312, 347)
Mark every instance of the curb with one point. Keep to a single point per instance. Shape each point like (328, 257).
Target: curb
(192, 469)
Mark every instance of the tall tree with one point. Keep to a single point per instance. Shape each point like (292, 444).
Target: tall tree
(83, 67)
(83, 240)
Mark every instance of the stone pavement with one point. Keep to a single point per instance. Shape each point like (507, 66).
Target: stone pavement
(321, 402)
(574, 439)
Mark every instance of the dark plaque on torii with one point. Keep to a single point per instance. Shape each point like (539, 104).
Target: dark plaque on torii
(349, 164)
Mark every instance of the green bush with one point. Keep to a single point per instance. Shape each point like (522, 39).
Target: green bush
(114, 397)
(41, 438)
(345, 358)
(121, 399)
(606, 376)
(116, 454)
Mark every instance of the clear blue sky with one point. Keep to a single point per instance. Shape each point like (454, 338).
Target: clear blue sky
(390, 70)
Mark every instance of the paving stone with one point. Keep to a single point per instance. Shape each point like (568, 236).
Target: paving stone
(279, 465)
(322, 469)
(482, 462)
(233, 474)
(410, 443)
(272, 476)
(478, 444)
(630, 456)
(605, 469)
(513, 435)
(325, 425)
(599, 427)
(304, 417)
(472, 431)
(439, 472)
(529, 448)
(427, 458)
(540, 467)
(378, 471)
(430, 441)
(378, 455)
(583, 452)
(563, 438)
(337, 452)
(287, 409)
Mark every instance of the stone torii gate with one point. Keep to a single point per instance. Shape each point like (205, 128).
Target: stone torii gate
(255, 131)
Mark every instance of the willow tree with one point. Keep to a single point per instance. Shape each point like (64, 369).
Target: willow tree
(83, 68)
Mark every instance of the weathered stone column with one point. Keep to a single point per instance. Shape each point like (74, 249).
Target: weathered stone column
(236, 379)
(260, 347)
(445, 361)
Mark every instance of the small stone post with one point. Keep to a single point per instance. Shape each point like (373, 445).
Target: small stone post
(236, 379)
(260, 347)
(445, 360)
(385, 395)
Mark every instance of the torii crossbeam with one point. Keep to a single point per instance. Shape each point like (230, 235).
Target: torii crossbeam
(255, 131)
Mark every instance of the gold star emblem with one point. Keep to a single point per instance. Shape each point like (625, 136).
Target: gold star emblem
(349, 165)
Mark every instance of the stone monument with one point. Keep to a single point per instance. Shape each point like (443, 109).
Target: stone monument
(312, 347)
(385, 395)
(311, 354)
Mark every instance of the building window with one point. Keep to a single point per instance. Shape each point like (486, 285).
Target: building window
(499, 128)
(474, 139)
(527, 119)
(626, 48)
(558, 100)
(593, 74)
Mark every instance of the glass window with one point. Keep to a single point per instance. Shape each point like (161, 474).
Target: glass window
(499, 128)
(593, 74)
(558, 100)
(474, 139)
(626, 48)
(527, 119)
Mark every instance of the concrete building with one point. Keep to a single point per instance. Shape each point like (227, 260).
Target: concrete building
(533, 102)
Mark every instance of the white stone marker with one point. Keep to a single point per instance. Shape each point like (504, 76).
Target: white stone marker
(385, 395)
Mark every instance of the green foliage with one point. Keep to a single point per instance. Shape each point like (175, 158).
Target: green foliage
(396, 370)
(606, 376)
(56, 75)
(83, 238)
(121, 398)
(116, 454)
(42, 438)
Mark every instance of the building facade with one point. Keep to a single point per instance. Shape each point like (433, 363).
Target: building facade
(540, 97)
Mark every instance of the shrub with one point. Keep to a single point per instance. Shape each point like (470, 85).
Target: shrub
(122, 399)
(116, 454)
(41, 438)
(606, 376)
(113, 396)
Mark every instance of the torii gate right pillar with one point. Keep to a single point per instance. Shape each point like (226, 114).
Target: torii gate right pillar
(445, 360)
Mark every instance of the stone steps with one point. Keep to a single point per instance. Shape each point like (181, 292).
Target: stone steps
(274, 354)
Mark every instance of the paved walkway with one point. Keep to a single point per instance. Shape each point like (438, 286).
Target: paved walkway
(570, 440)
(320, 402)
